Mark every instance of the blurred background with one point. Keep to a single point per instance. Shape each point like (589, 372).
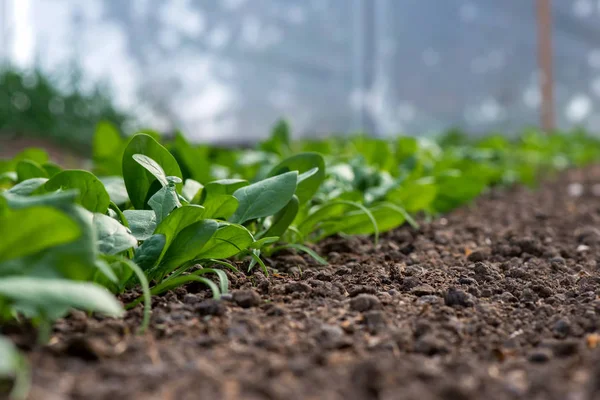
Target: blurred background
(225, 70)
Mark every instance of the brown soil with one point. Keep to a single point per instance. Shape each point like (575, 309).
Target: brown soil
(498, 300)
(11, 145)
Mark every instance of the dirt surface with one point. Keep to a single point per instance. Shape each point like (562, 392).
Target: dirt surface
(11, 145)
(498, 300)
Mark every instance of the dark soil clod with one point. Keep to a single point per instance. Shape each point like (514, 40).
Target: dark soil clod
(365, 302)
(246, 298)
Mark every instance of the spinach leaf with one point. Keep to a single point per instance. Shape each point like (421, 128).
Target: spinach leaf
(54, 298)
(141, 222)
(27, 187)
(27, 231)
(164, 201)
(27, 169)
(303, 163)
(229, 240)
(138, 180)
(115, 187)
(284, 218)
(92, 194)
(148, 254)
(265, 197)
(112, 237)
(188, 244)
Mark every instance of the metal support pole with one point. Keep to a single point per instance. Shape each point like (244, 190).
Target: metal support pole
(545, 63)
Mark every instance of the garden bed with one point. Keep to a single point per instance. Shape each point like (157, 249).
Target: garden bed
(497, 300)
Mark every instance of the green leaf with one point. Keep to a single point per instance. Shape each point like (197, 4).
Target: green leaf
(304, 249)
(191, 189)
(222, 187)
(178, 220)
(188, 244)
(220, 206)
(8, 177)
(217, 197)
(164, 201)
(148, 254)
(143, 281)
(259, 244)
(331, 218)
(172, 283)
(34, 154)
(108, 146)
(141, 222)
(27, 169)
(151, 166)
(303, 163)
(193, 159)
(229, 240)
(324, 212)
(265, 197)
(51, 169)
(284, 218)
(14, 366)
(138, 180)
(92, 194)
(115, 187)
(279, 142)
(54, 298)
(387, 216)
(112, 237)
(9, 358)
(27, 187)
(74, 260)
(55, 199)
(28, 231)
(414, 196)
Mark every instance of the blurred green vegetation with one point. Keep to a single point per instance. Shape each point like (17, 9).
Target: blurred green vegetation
(38, 105)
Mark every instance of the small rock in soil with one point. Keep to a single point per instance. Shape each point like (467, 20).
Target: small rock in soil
(331, 336)
(529, 245)
(456, 297)
(211, 307)
(246, 298)
(162, 318)
(540, 356)
(423, 290)
(297, 287)
(562, 348)
(191, 298)
(477, 255)
(429, 299)
(275, 311)
(323, 276)
(410, 282)
(558, 263)
(561, 328)
(588, 235)
(465, 280)
(93, 348)
(430, 345)
(375, 321)
(508, 297)
(365, 302)
(358, 289)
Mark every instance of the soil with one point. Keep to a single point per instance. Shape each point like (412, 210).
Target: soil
(11, 145)
(496, 300)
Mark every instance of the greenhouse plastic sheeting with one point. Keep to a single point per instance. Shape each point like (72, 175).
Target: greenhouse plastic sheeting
(227, 70)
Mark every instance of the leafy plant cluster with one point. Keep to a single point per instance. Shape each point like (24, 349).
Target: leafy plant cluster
(162, 215)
